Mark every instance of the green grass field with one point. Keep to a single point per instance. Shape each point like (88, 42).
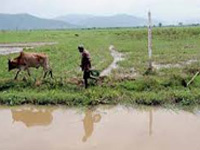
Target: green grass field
(163, 87)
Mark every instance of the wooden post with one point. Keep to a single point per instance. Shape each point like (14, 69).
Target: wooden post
(150, 40)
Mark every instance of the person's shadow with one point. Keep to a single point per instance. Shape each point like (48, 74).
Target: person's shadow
(88, 123)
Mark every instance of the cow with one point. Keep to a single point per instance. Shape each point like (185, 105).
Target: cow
(26, 60)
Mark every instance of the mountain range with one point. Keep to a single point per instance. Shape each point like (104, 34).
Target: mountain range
(28, 22)
(89, 21)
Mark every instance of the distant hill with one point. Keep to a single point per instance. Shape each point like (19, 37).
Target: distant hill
(74, 18)
(121, 20)
(26, 22)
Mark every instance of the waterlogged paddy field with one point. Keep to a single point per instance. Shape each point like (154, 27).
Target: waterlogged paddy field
(173, 47)
(108, 128)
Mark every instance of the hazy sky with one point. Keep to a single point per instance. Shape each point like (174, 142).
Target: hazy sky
(169, 10)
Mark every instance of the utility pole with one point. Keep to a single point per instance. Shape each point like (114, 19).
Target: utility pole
(150, 40)
(150, 121)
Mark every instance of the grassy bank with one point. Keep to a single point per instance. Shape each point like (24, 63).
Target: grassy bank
(165, 86)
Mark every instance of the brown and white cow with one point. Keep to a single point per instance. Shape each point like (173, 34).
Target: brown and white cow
(26, 60)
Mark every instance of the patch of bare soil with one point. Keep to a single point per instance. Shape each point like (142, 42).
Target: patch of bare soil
(179, 65)
(126, 74)
(6, 50)
(9, 48)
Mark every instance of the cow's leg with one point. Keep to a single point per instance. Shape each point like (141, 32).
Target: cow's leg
(28, 71)
(45, 74)
(51, 73)
(45, 68)
(17, 74)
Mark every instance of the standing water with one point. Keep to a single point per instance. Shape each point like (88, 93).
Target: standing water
(110, 128)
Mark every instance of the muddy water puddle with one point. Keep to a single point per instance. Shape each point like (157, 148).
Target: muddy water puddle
(103, 128)
(117, 56)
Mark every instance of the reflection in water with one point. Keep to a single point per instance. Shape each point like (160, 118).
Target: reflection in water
(121, 129)
(32, 116)
(150, 121)
(88, 123)
(198, 112)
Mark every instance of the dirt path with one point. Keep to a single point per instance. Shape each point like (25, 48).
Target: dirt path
(117, 56)
(9, 48)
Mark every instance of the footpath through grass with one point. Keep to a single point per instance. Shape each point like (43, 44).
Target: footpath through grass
(165, 86)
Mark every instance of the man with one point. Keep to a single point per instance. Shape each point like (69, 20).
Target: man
(85, 64)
